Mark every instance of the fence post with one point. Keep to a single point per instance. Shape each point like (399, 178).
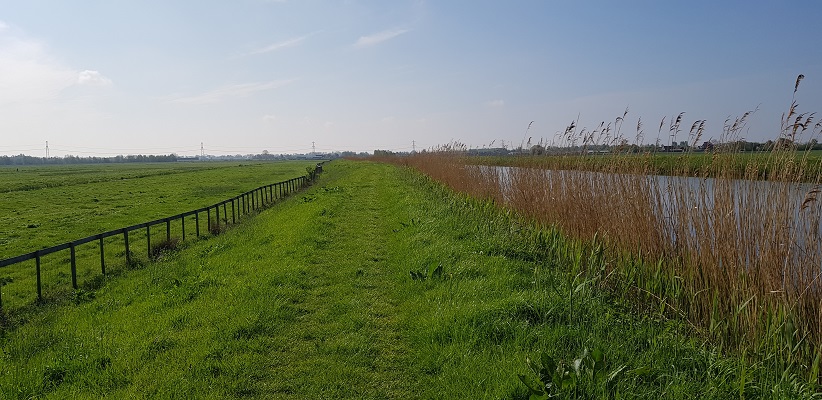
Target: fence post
(102, 257)
(168, 230)
(148, 240)
(39, 281)
(233, 215)
(225, 214)
(128, 252)
(73, 267)
(217, 216)
(208, 225)
(183, 224)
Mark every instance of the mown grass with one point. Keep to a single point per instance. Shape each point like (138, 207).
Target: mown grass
(376, 283)
(65, 203)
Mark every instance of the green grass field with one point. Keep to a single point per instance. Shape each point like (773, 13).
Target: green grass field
(45, 206)
(373, 284)
(691, 164)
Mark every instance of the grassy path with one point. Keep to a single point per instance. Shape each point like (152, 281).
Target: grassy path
(336, 293)
(347, 342)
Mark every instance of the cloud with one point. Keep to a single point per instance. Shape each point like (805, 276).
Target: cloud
(231, 91)
(28, 72)
(269, 118)
(277, 46)
(377, 38)
(496, 103)
(93, 78)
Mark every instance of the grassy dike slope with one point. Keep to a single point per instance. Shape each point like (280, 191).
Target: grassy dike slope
(314, 299)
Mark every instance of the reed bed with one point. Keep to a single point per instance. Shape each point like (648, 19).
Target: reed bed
(735, 252)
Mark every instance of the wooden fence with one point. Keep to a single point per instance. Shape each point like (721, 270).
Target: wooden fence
(243, 204)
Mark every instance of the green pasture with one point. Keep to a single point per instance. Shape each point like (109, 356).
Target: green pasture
(373, 284)
(46, 205)
(43, 206)
(731, 164)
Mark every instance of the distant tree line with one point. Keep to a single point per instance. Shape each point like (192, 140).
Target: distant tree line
(22, 159)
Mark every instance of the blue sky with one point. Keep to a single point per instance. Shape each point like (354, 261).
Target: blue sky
(128, 77)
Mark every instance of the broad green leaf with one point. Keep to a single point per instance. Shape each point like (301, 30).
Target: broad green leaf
(532, 384)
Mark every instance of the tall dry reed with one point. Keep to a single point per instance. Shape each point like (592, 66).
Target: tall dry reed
(736, 251)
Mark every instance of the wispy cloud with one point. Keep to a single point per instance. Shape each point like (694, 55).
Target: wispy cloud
(377, 38)
(28, 71)
(231, 91)
(495, 103)
(93, 78)
(278, 46)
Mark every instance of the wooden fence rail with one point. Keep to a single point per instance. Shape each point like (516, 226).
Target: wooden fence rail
(242, 204)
